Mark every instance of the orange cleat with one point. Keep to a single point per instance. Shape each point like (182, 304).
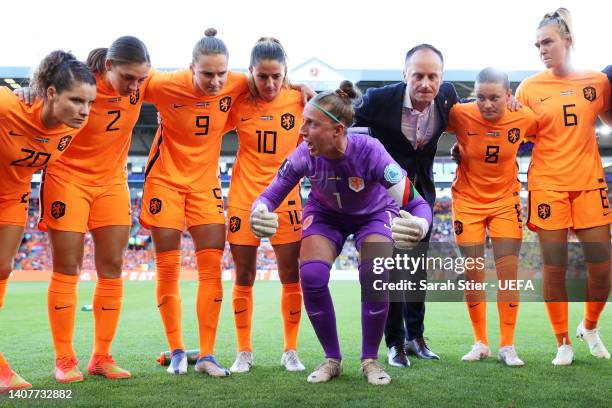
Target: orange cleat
(11, 381)
(67, 370)
(106, 366)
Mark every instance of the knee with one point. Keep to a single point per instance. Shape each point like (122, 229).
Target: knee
(67, 265)
(110, 266)
(245, 274)
(314, 275)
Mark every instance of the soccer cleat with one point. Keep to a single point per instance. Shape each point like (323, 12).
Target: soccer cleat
(291, 361)
(208, 365)
(243, 363)
(396, 357)
(374, 373)
(178, 363)
(565, 355)
(67, 370)
(106, 367)
(508, 356)
(478, 352)
(327, 370)
(593, 340)
(11, 381)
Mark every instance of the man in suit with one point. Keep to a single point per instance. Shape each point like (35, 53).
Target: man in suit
(408, 118)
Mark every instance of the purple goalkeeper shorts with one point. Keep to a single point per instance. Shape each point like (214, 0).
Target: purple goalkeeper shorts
(337, 227)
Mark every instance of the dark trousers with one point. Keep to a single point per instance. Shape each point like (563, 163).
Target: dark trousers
(406, 315)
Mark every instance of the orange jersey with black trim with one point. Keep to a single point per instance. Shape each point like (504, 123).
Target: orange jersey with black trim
(565, 155)
(488, 171)
(26, 146)
(186, 149)
(99, 156)
(267, 133)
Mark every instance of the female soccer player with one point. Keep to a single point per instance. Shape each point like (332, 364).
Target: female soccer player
(182, 187)
(266, 121)
(567, 187)
(356, 188)
(32, 138)
(486, 196)
(87, 190)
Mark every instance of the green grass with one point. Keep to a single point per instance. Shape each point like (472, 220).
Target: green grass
(25, 341)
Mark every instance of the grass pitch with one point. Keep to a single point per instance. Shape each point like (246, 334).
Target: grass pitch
(26, 342)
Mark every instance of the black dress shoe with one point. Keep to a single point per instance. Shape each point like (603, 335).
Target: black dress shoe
(418, 347)
(396, 357)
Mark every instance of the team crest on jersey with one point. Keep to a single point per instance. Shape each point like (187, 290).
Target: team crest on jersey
(234, 224)
(58, 209)
(356, 184)
(393, 173)
(287, 121)
(155, 205)
(543, 211)
(458, 225)
(590, 94)
(225, 104)
(64, 142)
(135, 97)
(514, 135)
(307, 222)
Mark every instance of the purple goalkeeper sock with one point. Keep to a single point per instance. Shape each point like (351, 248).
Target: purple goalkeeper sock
(374, 308)
(314, 278)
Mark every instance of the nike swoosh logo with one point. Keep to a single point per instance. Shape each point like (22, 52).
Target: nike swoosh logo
(606, 214)
(377, 313)
(472, 134)
(298, 228)
(294, 313)
(103, 308)
(386, 226)
(218, 300)
(543, 99)
(12, 133)
(471, 306)
(511, 305)
(63, 307)
(177, 106)
(240, 311)
(244, 119)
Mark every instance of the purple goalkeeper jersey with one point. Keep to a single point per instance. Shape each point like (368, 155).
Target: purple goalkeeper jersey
(355, 184)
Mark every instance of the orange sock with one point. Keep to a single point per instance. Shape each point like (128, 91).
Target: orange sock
(242, 300)
(478, 318)
(507, 300)
(61, 306)
(598, 289)
(168, 266)
(107, 299)
(291, 310)
(555, 296)
(3, 360)
(3, 284)
(210, 296)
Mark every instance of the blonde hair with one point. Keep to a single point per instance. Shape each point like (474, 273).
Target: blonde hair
(562, 20)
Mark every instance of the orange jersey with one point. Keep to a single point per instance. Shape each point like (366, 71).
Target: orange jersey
(99, 156)
(186, 149)
(26, 146)
(267, 133)
(488, 171)
(566, 156)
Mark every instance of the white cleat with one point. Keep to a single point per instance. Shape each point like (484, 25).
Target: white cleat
(565, 355)
(327, 370)
(243, 363)
(593, 340)
(209, 365)
(178, 363)
(374, 373)
(291, 361)
(508, 356)
(478, 352)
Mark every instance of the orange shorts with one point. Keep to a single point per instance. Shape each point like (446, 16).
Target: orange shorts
(239, 232)
(503, 221)
(168, 208)
(554, 210)
(14, 208)
(78, 208)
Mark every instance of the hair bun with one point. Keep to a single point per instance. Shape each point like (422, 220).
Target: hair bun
(210, 32)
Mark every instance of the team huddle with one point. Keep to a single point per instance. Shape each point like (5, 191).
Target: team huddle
(360, 187)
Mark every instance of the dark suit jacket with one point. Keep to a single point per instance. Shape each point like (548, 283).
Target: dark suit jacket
(382, 113)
